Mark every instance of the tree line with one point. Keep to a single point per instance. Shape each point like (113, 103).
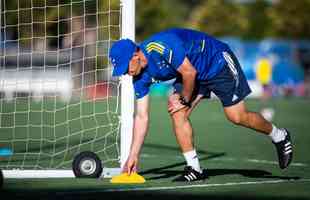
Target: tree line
(252, 19)
(255, 19)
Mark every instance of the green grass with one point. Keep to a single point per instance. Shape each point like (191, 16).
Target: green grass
(241, 163)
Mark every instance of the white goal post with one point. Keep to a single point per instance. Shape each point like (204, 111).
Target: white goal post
(44, 102)
(127, 104)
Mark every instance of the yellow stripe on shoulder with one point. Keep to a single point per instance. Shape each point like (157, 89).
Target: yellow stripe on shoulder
(154, 46)
(157, 44)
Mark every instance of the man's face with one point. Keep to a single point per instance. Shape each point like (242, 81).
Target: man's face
(136, 64)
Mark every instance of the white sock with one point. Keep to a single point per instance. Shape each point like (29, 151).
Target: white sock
(276, 134)
(192, 160)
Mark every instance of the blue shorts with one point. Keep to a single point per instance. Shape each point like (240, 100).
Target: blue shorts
(229, 85)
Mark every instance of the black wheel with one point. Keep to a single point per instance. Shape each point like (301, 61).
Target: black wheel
(87, 165)
(1, 179)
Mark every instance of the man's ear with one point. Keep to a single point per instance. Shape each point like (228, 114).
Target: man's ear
(140, 53)
(135, 55)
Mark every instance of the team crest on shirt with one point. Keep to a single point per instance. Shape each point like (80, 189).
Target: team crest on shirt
(162, 64)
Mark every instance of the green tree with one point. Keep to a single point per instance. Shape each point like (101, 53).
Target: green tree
(259, 22)
(155, 15)
(220, 18)
(290, 19)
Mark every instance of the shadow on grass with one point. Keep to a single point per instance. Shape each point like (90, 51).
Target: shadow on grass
(160, 169)
(207, 155)
(250, 173)
(165, 172)
(84, 193)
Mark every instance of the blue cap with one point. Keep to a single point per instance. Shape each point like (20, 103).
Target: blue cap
(120, 54)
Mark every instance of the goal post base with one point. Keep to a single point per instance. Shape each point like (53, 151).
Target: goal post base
(19, 174)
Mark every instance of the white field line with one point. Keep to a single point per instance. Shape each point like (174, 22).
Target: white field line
(296, 164)
(276, 163)
(205, 185)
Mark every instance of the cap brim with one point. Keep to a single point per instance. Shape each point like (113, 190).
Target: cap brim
(121, 69)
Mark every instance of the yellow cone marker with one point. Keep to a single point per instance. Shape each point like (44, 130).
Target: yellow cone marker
(127, 179)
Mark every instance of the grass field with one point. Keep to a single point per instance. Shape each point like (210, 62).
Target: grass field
(241, 164)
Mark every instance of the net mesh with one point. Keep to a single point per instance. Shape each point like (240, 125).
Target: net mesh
(57, 97)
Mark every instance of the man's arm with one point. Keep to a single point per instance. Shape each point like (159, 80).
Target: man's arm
(139, 132)
(188, 73)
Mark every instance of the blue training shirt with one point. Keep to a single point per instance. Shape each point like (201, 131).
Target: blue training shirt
(166, 51)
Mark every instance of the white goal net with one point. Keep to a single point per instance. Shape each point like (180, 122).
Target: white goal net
(57, 97)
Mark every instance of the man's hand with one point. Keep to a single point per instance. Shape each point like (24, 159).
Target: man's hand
(131, 165)
(174, 104)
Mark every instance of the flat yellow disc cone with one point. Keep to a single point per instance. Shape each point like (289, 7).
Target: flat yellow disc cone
(126, 179)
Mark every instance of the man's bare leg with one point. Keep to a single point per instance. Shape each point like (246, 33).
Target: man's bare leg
(182, 126)
(238, 114)
(183, 130)
(184, 134)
